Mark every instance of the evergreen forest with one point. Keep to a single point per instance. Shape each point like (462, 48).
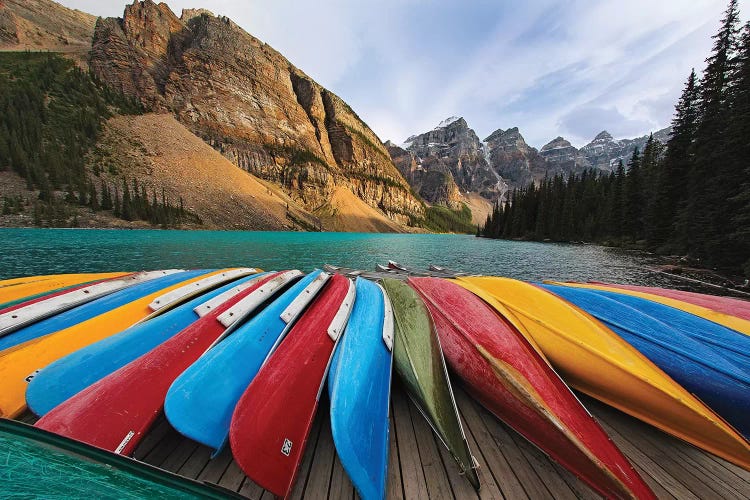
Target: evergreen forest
(688, 197)
(51, 114)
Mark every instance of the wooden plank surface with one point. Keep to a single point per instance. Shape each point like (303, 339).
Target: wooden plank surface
(421, 468)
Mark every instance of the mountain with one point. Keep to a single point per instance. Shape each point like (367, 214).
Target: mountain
(451, 156)
(45, 25)
(451, 152)
(604, 152)
(514, 160)
(561, 156)
(250, 103)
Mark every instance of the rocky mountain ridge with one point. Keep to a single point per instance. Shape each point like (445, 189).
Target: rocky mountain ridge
(451, 155)
(250, 103)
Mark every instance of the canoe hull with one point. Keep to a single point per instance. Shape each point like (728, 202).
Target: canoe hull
(596, 361)
(18, 363)
(115, 412)
(511, 379)
(418, 360)
(68, 376)
(359, 385)
(721, 385)
(201, 400)
(272, 420)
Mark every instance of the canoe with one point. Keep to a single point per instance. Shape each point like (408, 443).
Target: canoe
(34, 287)
(720, 384)
(727, 342)
(18, 364)
(23, 314)
(154, 282)
(68, 376)
(272, 420)
(419, 362)
(39, 464)
(26, 301)
(359, 385)
(115, 412)
(730, 312)
(200, 402)
(505, 373)
(596, 361)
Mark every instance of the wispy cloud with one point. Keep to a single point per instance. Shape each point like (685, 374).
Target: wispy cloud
(550, 67)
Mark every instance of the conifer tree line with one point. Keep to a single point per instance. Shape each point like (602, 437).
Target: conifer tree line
(51, 114)
(689, 197)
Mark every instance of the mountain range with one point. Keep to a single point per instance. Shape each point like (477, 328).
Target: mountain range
(450, 159)
(249, 141)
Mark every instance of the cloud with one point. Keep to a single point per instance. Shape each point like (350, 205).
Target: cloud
(587, 121)
(404, 65)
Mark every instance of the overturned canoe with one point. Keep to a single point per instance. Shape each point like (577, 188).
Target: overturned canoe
(359, 384)
(39, 464)
(67, 376)
(154, 281)
(115, 412)
(511, 379)
(723, 386)
(726, 342)
(419, 362)
(21, 288)
(596, 361)
(272, 420)
(200, 402)
(20, 315)
(730, 312)
(19, 363)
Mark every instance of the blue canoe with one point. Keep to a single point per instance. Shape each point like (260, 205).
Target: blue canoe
(95, 308)
(200, 402)
(68, 376)
(731, 344)
(359, 384)
(701, 370)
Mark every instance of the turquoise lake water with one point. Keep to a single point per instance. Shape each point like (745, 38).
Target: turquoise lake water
(48, 251)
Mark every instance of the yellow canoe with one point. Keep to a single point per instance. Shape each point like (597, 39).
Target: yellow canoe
(18, 288)
(733, 322)
(596, 361)
(18, 362)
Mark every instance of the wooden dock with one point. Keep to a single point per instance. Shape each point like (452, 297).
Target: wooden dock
(421, 468)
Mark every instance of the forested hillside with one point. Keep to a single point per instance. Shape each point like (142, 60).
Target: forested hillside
(691, 197)
(51, 114)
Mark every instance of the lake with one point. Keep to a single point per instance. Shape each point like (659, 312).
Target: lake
(51, 251)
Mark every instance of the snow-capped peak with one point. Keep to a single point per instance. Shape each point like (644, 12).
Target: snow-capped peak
(448, 121)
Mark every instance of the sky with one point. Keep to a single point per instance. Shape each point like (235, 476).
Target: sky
(550, 67)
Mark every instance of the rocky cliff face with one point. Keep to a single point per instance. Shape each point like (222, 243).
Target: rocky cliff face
(561, 156)
(250, 103)
(45, 25)
(452, 147)
(514, 160)
(431, 178)
(605, 153)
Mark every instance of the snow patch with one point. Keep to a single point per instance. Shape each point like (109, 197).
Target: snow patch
(447, 121)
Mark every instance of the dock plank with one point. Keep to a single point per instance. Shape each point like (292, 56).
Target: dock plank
(433, 468)
(394, 488)
(415, 485)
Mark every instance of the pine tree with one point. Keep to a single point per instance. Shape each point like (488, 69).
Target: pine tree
(670, 203)
(738, 134)
(126, 211)
(707, 214)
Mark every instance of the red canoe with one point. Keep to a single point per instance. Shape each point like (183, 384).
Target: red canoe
(505, 373)
(116, 411)
(726, 305)
(272, 420)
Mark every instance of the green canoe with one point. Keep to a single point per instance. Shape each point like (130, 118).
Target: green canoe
(39, 464)
(419, 362)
